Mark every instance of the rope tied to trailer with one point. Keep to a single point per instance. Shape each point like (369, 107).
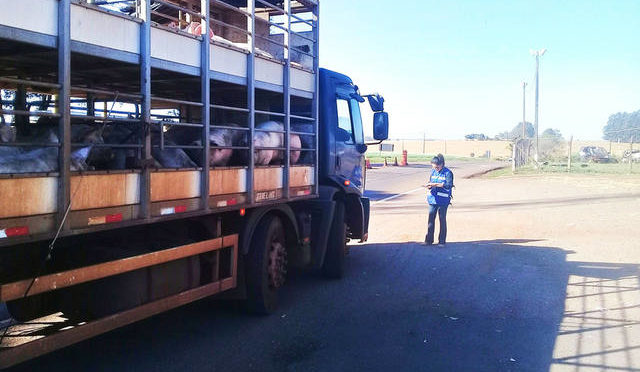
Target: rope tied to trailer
(106, 120)
(48, 256)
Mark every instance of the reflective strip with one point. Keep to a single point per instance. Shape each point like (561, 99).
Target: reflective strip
(14, 231)
(165, 211)
(110, 218)
(172, 210)
(444, 195)
(113, 217)
(303, 192)
(224, 203)
(97, 220)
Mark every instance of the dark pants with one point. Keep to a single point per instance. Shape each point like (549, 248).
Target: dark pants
(441, 210)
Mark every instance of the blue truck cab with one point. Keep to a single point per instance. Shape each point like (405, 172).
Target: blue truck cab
(341, 149)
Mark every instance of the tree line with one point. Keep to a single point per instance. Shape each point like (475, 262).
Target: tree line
(623, 127)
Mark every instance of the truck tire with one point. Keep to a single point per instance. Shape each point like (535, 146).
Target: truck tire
(333, 265)
(266, 265)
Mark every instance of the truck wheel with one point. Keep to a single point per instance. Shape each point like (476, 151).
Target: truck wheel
(266, 265)
(333, 265)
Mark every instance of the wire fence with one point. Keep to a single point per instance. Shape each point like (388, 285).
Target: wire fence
(558, 154)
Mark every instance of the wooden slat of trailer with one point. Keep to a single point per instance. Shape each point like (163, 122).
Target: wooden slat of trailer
(27, 196)
(63, 279)
(172, 185)
(231, 241)
(301, 176)
(227, 181)
(267, 179)
(104, 190)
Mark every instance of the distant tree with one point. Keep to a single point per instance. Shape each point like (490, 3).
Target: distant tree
(552, 144)
(476, 136)
(622, 126)
(529, 130)
(552, 133)
(516, 132)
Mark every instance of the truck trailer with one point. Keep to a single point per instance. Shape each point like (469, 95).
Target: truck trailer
(156, 152)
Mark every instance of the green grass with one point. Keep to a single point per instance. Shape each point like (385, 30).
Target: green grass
(378, 157)
(577, 168)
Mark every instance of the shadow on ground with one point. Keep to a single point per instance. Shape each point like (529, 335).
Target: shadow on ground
(481, 306)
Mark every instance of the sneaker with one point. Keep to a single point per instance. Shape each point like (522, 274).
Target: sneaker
(441, 245)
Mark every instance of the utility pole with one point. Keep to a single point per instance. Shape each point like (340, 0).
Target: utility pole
(537, 54)
(424, 139)
(524, 85)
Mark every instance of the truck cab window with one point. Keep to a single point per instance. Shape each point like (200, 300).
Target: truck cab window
(357, 121)
(344, 132)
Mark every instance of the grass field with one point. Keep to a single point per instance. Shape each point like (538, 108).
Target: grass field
(576, 168)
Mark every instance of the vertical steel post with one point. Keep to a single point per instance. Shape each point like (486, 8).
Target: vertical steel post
(315, 105)
(145, 91)
(524, 85)
(64, 109)
(251, 95)
(91, 104)
(205, 96)
(631, 154)
(286, 93)
(536, 114)
(569, 155)
(20, 104)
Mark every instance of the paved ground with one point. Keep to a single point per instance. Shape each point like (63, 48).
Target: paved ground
(539, 274)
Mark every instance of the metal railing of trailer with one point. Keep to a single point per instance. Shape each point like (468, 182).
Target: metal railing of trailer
(78, 207)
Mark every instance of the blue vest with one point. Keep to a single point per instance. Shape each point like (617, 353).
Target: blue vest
(440, 195)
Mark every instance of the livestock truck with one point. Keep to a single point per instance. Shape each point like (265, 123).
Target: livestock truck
(101, 225)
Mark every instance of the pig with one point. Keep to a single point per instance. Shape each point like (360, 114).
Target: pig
(218, 137)
(275, 139)
(45, 159)
(307, 141)
(121, 158)
(267, 139)
(169, 157)
(295, 144)
(7, 133)
(124, 158)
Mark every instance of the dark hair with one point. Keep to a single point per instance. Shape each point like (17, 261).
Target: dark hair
(438, 160)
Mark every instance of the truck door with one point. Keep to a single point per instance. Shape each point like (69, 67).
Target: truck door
(349, 141)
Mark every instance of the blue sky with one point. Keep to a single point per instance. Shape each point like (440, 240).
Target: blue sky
(449, 68)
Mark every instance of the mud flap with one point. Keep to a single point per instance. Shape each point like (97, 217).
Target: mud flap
(366, 207)
(321, 217)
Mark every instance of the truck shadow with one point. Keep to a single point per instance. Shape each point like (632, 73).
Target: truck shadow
(481, 305)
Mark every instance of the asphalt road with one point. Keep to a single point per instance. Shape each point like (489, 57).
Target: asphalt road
(490, 300)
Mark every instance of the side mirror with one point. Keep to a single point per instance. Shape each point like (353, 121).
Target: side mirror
(380, 126)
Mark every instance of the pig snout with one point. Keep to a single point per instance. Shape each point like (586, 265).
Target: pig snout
(220, 157)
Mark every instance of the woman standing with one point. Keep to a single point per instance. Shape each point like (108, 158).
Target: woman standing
(439, 198)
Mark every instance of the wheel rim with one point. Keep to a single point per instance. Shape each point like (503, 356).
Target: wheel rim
(277, 267)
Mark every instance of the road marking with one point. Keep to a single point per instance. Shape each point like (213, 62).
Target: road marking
(397, 195)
